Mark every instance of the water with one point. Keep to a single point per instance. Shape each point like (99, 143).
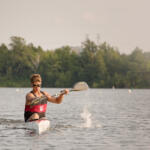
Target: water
(107, 119)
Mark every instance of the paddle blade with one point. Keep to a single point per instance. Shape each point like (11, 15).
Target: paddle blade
(80, 86)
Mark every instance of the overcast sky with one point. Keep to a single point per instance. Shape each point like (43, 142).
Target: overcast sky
(51, 24)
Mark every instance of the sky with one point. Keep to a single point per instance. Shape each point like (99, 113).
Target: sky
(124, 24)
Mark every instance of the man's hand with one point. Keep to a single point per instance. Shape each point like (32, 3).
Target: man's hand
(65, 91)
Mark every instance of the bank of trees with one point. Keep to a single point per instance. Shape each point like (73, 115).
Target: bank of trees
(101, 66)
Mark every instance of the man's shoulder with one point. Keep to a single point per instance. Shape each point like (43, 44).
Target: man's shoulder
(45, 93)
(29, 94)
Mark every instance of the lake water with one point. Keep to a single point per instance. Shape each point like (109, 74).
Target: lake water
(96, 119)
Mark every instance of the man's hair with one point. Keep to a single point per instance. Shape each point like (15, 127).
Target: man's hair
(35, 77)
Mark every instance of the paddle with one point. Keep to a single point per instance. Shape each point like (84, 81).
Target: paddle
(79, 86)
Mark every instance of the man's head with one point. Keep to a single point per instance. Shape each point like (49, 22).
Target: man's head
(36, 80)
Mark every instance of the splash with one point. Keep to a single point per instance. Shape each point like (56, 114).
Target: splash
(86, 115)
(89, 122)
(17, 90)
(129, 90)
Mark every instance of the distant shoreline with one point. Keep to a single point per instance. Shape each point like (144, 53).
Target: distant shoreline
(101, 66)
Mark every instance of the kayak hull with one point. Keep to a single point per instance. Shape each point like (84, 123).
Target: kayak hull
(38, 126)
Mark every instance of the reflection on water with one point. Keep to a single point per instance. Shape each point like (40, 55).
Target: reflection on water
(109, 119)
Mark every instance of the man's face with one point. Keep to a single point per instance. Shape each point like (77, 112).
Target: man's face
(36, 85)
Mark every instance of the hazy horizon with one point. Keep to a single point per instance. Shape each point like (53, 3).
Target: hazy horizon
(53, 24)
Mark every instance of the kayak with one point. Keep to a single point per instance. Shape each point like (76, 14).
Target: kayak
(38, 126)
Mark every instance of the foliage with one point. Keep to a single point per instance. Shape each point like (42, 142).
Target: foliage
(101, 66)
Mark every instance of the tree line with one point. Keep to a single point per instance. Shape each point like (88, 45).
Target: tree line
(100, 65)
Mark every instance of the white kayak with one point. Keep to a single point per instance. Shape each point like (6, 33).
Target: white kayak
(38, 126)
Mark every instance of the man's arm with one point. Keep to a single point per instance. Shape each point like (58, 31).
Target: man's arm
(29, 98)
(58, 99)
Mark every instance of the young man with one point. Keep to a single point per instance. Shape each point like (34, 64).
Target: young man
(37, 111)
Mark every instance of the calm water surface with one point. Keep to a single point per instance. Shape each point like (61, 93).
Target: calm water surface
(97, 119)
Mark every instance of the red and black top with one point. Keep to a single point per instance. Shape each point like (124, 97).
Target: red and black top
(39, 108)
